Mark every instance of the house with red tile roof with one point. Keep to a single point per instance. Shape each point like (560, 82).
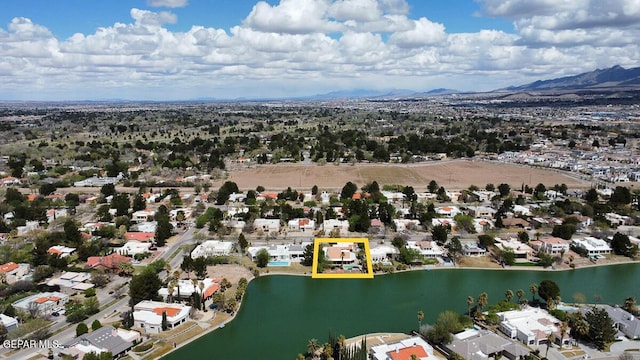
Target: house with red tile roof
(140, 236)
(147, 315)
(403, 350)
(109, 262)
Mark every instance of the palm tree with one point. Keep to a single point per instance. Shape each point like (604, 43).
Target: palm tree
(414, 357)
(533, 288)
(564, 327)
(170, 290)
(327, 351)
(469, 303)
(550, 338)
(579, 325)
(520, 294)
(313, 346)
(201, 286)
(630, 305)
(509, 295)
(342, 344)
(482, 300)
(167, 268)
(420, 318)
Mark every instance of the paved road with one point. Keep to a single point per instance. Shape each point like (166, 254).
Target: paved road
(110, 314)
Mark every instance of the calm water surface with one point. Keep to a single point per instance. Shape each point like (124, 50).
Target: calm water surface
(281, 313)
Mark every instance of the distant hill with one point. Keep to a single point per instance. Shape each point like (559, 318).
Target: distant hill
(377, 94)
(614, 77)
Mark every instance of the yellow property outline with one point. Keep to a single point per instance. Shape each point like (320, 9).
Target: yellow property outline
(367, 250)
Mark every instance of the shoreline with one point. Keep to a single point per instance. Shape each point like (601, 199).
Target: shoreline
(516, 268)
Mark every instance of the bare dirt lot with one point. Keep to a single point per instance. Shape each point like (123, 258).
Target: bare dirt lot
(453, 174)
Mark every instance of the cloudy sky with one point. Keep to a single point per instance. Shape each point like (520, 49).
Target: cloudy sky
(188, 49)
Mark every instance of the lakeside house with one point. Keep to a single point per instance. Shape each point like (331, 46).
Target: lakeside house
(428, 249)
(532, 326)
(519, 249)
(286, 253)
(403, 350)
(212, 248)
(341, 253)
(474, 344)
(147, 315)
(383, 254)
(185, 288)
(551, 245)
(592, 246)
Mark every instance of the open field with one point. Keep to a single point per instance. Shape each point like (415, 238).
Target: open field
(454, 174)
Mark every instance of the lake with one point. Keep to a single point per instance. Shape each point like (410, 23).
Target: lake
(281, 313)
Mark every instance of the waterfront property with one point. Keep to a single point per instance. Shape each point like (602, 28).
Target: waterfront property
(473, 344)
(403, 350)
(147, 315)
(212, 248)
(532, 326)
(592, 246)
(185, 288)
(624, 321)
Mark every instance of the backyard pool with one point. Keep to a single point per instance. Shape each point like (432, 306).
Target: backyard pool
(278, 263)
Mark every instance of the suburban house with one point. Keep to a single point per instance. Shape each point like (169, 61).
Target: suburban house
(110, 262)
(473, 344)
(482, 212)
(341, 253)
(406, 224)
(14, 272)
(185, 288)
(266, 225)
(42, 303)
(592, 246)
(133, 248)
(148, 315)
(511, 222)
(383, 253)
(72, 281)
(532, 326)
(551, 245)
(471, 248)
(287, 253)
(9, 323)
(403, 350)
(342, 226)
(617, 220)
(520, 249)
(448, 211)
(104, 339)
(301, 224)
(143, 215)
(61, 251)
(428, 249)
(140, 236)
(623, 321)
(212, 248)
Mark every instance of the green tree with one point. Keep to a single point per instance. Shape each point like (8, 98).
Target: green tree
(465, 222)
(504, 189)
(144, 286)
(95, 325)
(81, 329)
(164, 229)
(262, 258)
(509, 295)
(348, 190)
(433, 186)
(630, 305)
(621, 245)
(105, 355)
(138, 203)
(533, 288)
(548, 289)
(91, 305)
(470, 301)
(601, 328)
(439, 233)
(620, 196)
(307, 256)
(454, 249)
(228, 188)
(242, 242)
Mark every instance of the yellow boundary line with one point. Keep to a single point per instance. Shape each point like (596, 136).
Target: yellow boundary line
(316, 249)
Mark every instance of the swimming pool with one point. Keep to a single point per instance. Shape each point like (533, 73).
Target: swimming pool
(278, 263)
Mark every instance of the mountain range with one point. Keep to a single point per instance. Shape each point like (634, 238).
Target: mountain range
(613, 77)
